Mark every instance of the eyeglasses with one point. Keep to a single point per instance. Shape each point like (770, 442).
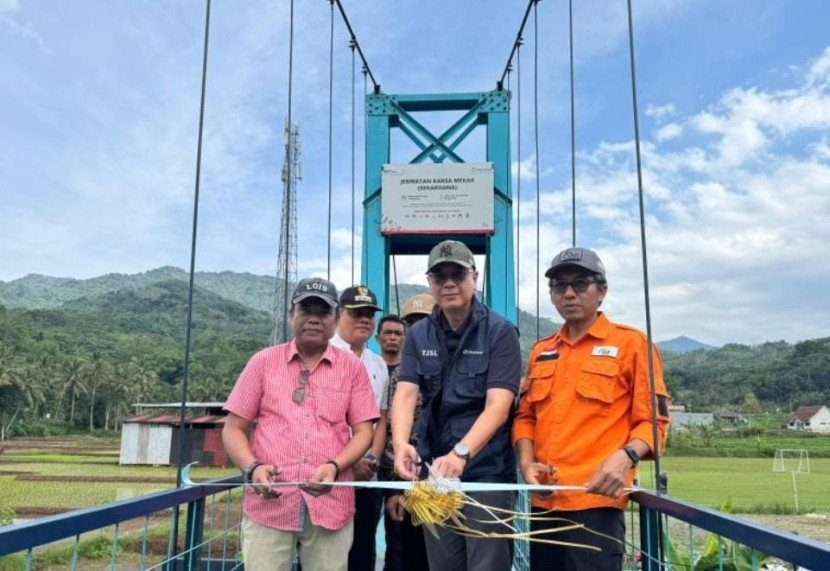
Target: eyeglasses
(440, 278)
(361, 312)
(299, 393)
(579, 285)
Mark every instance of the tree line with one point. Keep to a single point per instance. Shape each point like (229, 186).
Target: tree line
(84, 364)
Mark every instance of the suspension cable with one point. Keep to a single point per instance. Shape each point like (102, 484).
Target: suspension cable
(536, 136)
(397, 294)
(187, 340)
(518, 41)
(172, 547)
(654, 434)
(573, 125)
(331, 123)
(519, 172)
(352, 46)
(366, 69)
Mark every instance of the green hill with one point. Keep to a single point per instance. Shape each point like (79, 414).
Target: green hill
(36, 291)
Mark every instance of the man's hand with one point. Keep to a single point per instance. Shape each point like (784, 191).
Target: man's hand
(263, 476)
(538, 473)
(316, 485)
(364, 469)
(449, 466)
(406, 461)
(609, 479)
(395, 508)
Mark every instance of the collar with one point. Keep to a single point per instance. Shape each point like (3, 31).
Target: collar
(478, 311)
(340, 343)
(294, 353)
(600, 329)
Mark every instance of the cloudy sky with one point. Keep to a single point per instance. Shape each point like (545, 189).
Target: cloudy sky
(99, 117)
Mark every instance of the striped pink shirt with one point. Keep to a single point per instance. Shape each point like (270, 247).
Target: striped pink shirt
(297, 438)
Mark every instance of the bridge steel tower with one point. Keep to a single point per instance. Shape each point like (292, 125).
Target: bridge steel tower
(489, 110)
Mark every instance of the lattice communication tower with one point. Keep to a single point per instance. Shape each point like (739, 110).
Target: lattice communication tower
(287, 258)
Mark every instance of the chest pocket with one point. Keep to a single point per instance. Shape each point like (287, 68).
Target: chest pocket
(597, 379)
(471, 377)
(331, 400)
(540, 382)
(429, 371)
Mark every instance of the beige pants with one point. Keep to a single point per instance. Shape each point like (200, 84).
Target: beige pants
(269, 549)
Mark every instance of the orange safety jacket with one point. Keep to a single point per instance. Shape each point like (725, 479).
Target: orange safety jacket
(586, 399)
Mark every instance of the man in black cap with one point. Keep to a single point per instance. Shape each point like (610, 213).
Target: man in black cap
(356, 326)
(584, 418)
(466, 363)
(313, 407)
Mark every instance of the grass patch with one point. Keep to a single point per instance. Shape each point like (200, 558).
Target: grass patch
(750, 483)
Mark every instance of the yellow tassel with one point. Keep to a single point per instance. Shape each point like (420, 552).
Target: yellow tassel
(431, 507)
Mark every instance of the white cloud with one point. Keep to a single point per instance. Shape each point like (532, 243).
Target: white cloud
(668, 132)
(736, 219)
(660, 112)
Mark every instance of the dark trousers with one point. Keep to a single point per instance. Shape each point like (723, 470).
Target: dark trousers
(608, 521)
(455, 552)
(405, 548)
(368, 504)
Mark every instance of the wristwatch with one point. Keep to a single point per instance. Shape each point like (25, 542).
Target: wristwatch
(632, 455)
(248, 472)
(462, 451)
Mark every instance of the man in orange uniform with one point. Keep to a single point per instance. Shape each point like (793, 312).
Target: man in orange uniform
(584, 418)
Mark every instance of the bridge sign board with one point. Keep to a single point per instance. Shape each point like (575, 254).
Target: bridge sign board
(437, 198)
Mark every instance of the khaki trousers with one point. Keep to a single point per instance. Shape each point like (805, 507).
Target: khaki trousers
(269, 549)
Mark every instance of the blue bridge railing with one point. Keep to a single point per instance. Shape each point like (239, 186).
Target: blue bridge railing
(206, 535)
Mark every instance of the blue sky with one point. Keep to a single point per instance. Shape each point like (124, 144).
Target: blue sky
(100, 108)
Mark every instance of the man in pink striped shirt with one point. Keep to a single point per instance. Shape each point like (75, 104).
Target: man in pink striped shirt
(314, 409)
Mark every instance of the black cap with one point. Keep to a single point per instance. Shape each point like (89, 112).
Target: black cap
(315, 287)
(358, 296)
(579, 257)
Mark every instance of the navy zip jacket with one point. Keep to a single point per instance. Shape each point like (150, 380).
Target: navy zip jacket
(454, 386)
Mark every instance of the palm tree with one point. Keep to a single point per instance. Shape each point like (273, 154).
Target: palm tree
(72, 382)
(142, 377)
(97, 373)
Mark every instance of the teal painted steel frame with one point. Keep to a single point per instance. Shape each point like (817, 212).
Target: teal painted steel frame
(489, 109)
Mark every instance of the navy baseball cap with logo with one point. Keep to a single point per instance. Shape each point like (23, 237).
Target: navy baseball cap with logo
(358, 296)
(576, 257)
(315, 287)
(453, 252)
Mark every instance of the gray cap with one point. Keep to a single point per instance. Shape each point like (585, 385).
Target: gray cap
(315, 287)
(453, 252)
(576, 257)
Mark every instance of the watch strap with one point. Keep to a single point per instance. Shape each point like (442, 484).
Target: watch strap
(337, 470)
(632, 455)
(248, 472)
(462, 451)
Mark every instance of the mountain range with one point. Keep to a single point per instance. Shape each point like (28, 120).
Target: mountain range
(36, 291)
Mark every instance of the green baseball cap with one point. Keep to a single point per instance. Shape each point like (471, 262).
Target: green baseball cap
(453, 252)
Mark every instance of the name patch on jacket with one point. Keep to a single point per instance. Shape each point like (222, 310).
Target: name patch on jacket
(429, 352)
(549, 355)
(605, 351)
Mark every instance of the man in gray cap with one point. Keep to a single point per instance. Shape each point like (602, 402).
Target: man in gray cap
(584, 418)
(314, 409)
(465, 362)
